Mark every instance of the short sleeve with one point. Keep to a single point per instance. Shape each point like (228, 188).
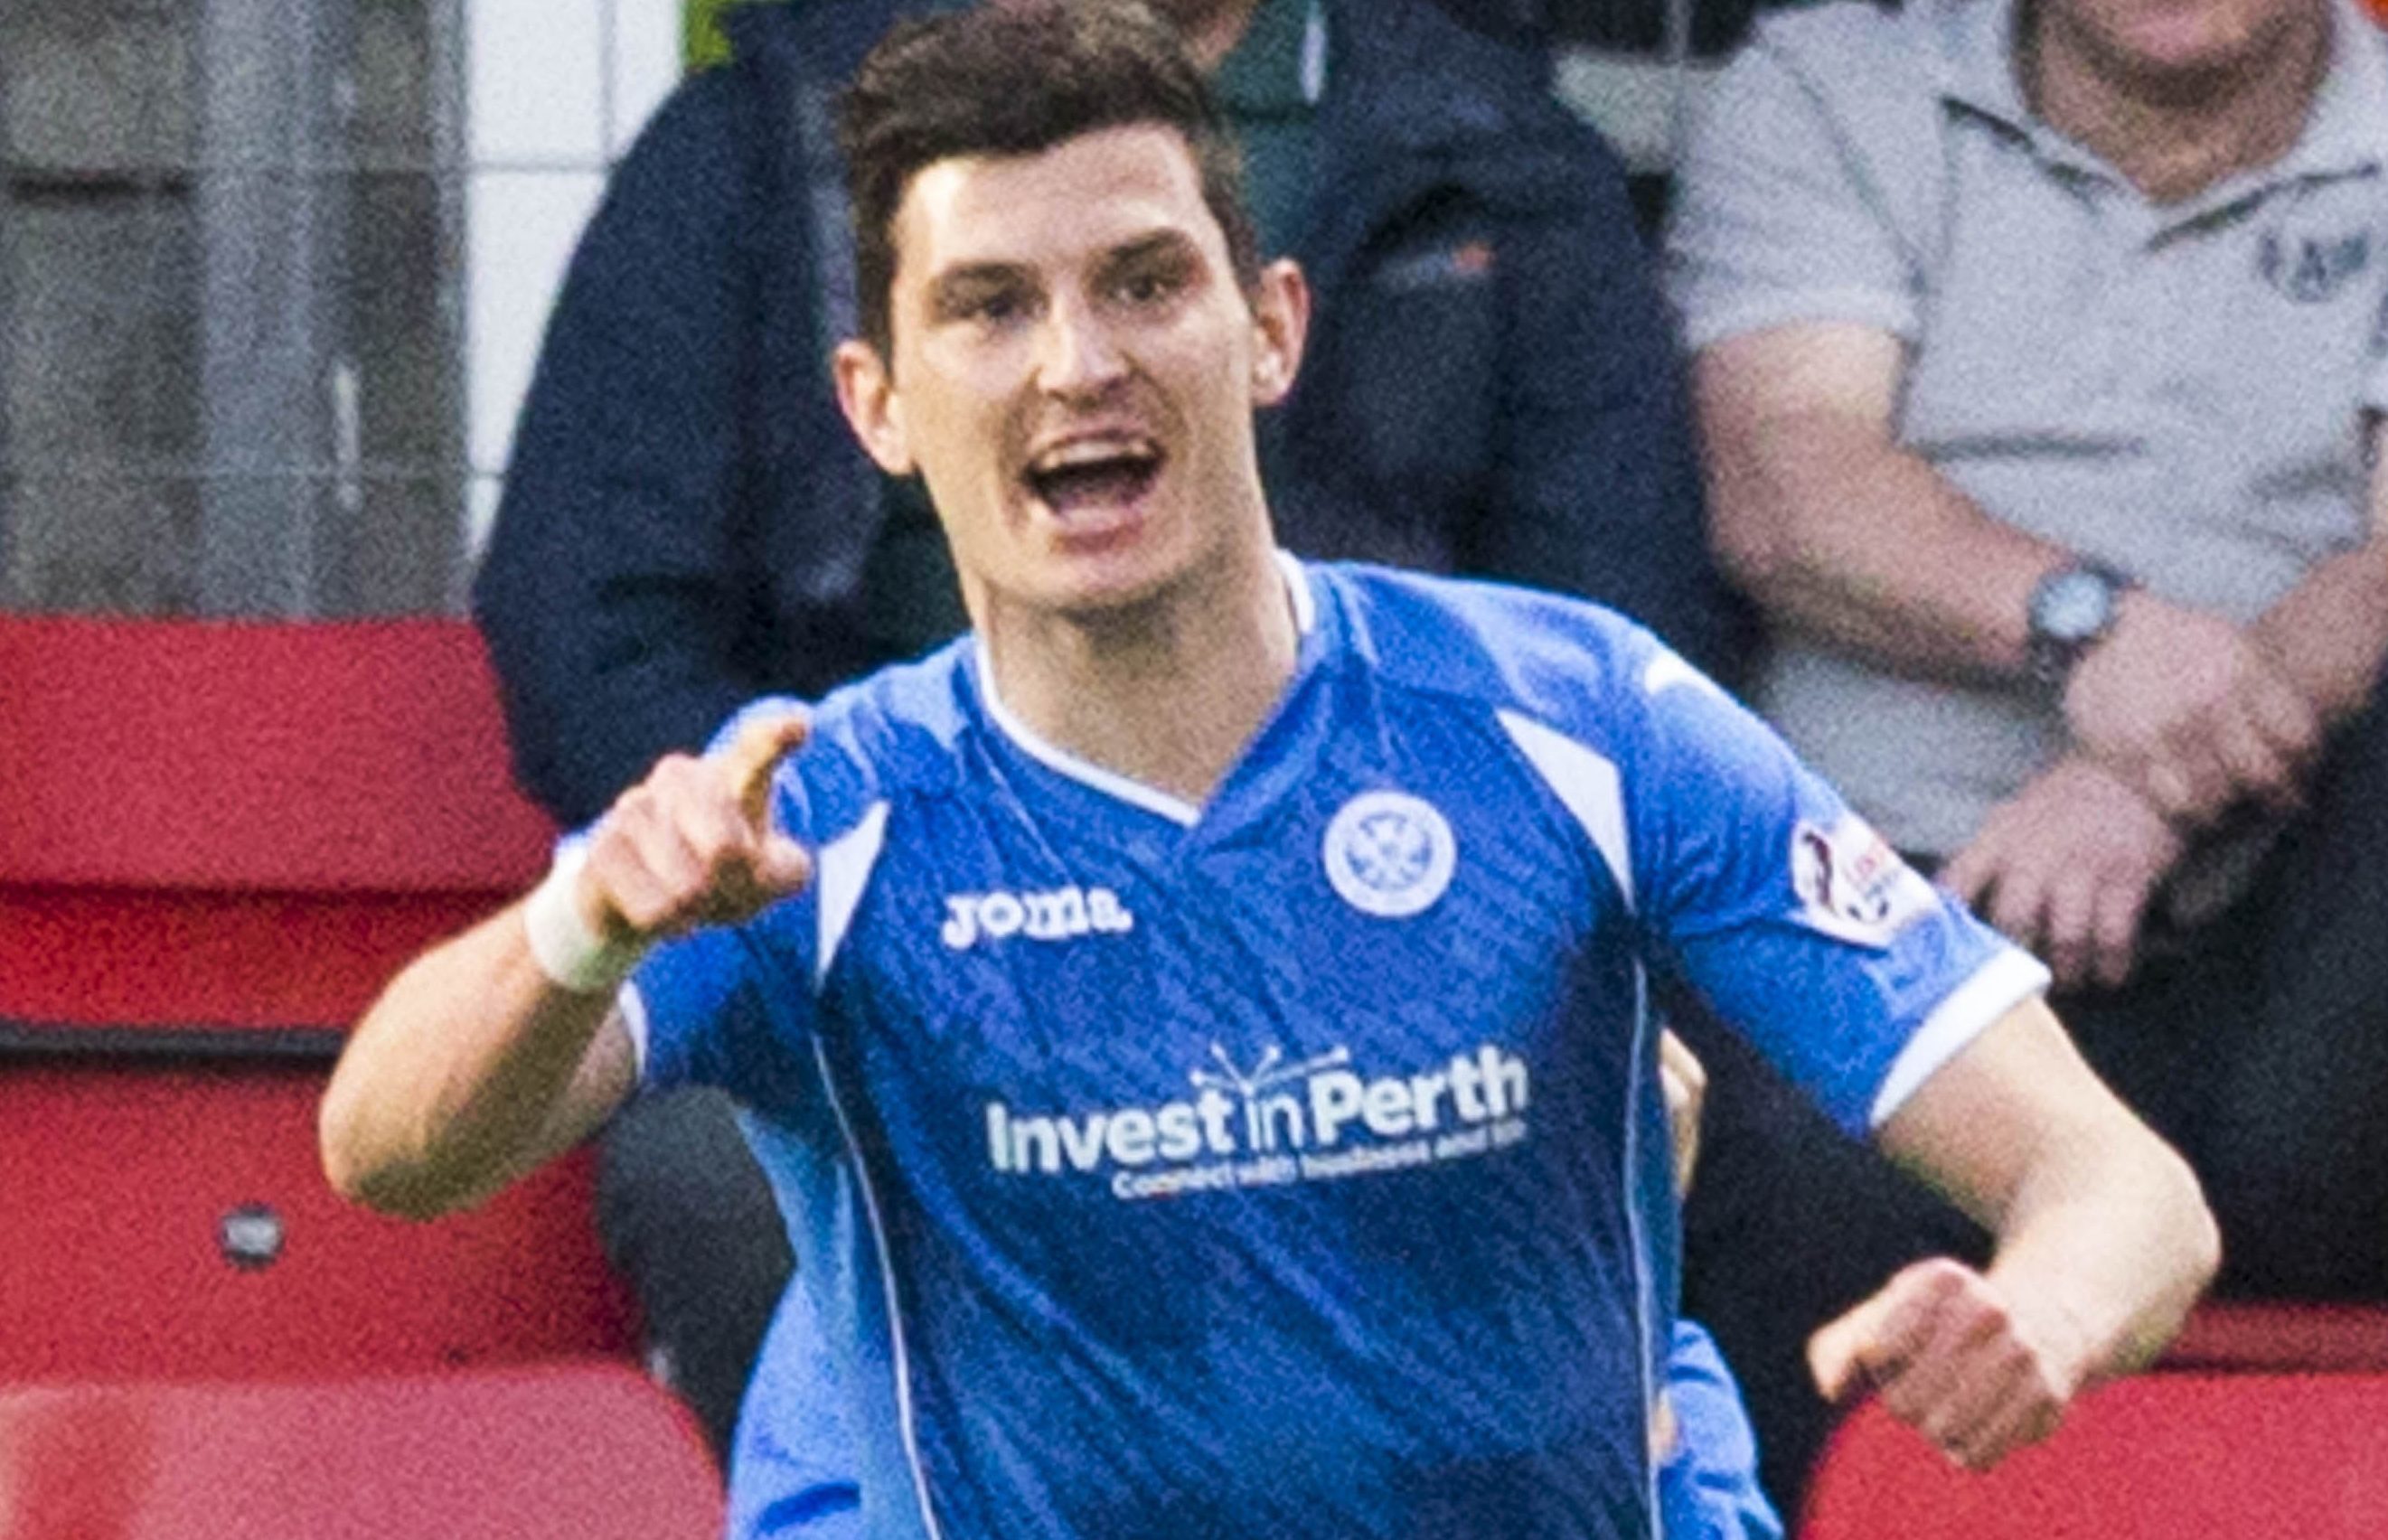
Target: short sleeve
(696, 1012)
(1797, 923)
(1777, 217)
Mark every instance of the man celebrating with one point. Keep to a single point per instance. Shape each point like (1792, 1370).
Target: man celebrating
(1199, 1020)
(1488, 389)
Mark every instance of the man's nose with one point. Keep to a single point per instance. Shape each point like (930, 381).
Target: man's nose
(1078, 352)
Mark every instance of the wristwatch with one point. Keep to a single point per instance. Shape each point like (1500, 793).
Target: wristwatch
(2072, 610)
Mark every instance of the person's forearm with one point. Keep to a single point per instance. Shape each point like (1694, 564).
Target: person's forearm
(2103, 1239)
(2102, 1252)
(2104, 1245)
(454, 1076)
(1862, 545)
(2328, 634)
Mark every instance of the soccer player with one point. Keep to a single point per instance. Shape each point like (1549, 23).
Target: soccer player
(1198, 1021)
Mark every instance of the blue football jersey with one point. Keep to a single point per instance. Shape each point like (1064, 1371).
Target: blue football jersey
(1707, 1487)
(1292, 1164)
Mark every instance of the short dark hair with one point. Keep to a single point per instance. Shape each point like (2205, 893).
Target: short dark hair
(1016, 78)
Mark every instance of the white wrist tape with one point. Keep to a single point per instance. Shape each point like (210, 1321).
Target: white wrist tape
(562, 943)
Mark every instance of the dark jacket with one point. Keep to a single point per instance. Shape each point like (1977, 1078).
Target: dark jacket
(1491, 389)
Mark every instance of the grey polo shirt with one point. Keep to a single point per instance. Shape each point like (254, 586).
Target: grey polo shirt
(2181, 389)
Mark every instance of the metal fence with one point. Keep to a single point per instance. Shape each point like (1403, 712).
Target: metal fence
(230, 303)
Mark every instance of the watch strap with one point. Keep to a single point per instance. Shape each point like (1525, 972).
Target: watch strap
(2051, 656)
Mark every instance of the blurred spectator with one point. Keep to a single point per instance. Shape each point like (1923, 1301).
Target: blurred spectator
(2038, 349)
(1490, 388)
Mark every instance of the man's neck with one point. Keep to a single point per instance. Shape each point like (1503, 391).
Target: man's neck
(2174, 137)
(1168, 692)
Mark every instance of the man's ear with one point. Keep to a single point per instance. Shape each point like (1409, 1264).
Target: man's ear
(866, 392)
(1280, 325)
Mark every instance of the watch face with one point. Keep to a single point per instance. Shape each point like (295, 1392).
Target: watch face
(2073, 606)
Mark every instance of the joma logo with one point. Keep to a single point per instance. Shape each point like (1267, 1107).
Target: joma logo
(1055, 915)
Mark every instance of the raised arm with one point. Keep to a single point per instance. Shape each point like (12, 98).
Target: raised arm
(2103, 1242)
(501, 1048)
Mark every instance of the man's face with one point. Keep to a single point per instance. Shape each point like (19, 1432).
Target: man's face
(2188, 43)
(1074, 370)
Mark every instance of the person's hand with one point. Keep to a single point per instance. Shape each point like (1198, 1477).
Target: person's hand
(2065, 867)
(2191, 712)
(693, 845)
(1686, 1081)
(1944, 1349)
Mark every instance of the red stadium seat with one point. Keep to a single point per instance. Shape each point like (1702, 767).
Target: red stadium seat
(557, 1453)
(242, 826)
(2236, 1457)
(216, 842)
(2285, 1338)
(169, 1218)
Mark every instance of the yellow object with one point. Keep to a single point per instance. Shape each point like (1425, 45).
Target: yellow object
(702, 45)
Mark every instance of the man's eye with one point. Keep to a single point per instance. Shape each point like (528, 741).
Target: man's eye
(1148, 289)
(993, 308)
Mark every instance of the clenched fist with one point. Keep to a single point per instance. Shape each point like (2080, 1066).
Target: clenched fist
(1943, 1348)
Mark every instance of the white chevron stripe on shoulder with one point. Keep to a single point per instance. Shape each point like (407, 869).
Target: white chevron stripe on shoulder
(843, 869)
(1587, 783)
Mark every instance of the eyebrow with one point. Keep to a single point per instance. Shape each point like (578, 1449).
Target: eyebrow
(1160, 243)
(953, 288)
(994, 274)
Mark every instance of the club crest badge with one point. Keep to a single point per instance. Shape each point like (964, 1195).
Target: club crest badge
(1389, 854)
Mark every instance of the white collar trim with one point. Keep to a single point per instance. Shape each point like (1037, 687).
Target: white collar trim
(1111, 783)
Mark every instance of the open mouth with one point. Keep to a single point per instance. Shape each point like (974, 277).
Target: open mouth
(1082, 481)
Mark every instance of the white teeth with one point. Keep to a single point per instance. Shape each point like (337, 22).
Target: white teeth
(1087, 451)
